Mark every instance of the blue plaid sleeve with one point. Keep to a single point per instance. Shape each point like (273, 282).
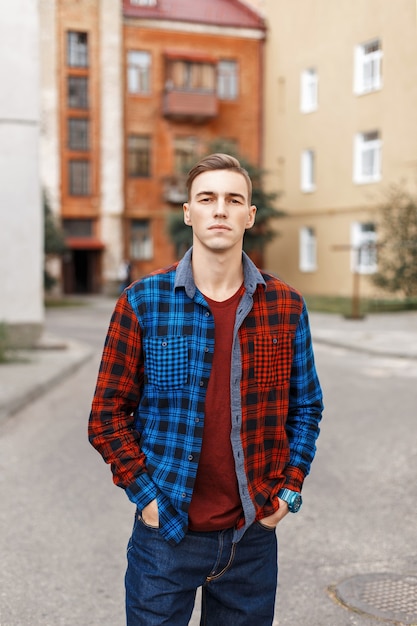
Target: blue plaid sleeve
(305, 406)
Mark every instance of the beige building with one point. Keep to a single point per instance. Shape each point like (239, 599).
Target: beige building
(340, 128)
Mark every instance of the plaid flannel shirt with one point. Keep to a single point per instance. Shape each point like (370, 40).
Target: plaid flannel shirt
(147, 416)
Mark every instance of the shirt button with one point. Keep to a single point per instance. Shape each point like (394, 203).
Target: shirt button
(275, 340)
(201, 383)
(197, 419)
(207, 313)
(206, 349)
(164, 344)
(183, 495)
(190, 457)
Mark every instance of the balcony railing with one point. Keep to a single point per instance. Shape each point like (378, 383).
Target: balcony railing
(190, 105)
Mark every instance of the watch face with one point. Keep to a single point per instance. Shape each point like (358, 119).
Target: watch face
(295, 504)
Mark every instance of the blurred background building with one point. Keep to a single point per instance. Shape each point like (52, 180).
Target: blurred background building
(131, 93)
(21, 223)
(134, 93)
(340, 129)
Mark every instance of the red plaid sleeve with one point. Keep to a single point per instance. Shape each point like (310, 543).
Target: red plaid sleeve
(111, 425)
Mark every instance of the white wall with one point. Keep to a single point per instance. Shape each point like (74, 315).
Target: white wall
(111, 136)
(21, 220)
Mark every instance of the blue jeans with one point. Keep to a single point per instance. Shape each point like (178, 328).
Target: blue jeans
(238, 580)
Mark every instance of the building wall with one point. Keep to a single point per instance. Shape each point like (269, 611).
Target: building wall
(323, 35)
(21, 222)
(111, 157)
(93, 260)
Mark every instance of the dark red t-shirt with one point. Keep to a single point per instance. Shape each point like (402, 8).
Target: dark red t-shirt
(216, 504)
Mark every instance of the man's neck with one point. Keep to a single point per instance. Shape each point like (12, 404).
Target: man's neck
(217, 275)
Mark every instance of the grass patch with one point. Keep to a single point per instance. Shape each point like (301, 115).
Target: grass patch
(4, 340)
(343, 306)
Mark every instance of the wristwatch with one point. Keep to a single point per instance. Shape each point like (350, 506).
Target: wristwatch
(292, 498)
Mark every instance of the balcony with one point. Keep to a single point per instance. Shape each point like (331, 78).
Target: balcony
(194, 106)
(174, 189)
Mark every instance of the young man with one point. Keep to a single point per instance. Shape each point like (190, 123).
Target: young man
(207, 407)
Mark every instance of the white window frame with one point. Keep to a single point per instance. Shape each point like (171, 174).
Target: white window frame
(309, 90)
(141, 242)
(308, 171)
(368, 67)
(143, 3)
(139, 64)
(363, 258)
(228, 79)
(367, 151)
(307, 249)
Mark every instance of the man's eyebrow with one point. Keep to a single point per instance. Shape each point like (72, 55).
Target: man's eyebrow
(205, 193)
(230, 194)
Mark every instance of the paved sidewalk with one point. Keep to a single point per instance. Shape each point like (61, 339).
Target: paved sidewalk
(33, 373)
(384, 334)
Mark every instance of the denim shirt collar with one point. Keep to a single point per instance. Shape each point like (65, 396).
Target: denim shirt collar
(252, 277)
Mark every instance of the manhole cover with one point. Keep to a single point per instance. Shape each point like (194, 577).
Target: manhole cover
(390, 597)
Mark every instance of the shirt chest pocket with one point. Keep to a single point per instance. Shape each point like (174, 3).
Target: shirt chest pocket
(272, 359)
(166, 361)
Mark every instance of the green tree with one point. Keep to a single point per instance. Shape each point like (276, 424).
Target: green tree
(256, 237)
(54, 242)
(397, 243)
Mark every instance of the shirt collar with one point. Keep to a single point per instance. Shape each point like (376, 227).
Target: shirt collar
(184, 275)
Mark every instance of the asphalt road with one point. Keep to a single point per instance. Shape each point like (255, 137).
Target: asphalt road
(64, 526)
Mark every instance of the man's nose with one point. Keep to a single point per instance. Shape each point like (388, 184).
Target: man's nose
(220, 208)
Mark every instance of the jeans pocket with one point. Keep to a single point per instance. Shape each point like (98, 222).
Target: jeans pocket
(142, 521)
(265, 527)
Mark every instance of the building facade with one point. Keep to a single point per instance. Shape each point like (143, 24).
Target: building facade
(21, 222)
(137, 92)
(341, 128)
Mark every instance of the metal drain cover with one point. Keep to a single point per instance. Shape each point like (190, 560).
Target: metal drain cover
(390, 597)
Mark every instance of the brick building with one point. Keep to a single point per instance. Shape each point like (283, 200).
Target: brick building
(140, 89)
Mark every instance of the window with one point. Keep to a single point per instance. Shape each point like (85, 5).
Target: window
(227, 80)
(308, 174)
(79, 178)
(191, 76)
(368, 67)
(77, 49)
(143, 3)
(78, 228)
(308, 250)
(363, 242)
(139, 72)
(185, 154)
(309, 91)
(78, 133)
(77, 92)
(141, 246)
(367, 157)
(139, 155)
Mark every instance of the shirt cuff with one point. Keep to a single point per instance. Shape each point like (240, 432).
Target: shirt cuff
(142, 491)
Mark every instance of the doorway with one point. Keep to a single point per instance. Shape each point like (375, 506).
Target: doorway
(81, 272)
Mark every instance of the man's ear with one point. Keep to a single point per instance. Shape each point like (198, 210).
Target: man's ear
(187, 219)
(251, 217)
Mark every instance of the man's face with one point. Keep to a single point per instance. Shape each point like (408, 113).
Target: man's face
(218, 210)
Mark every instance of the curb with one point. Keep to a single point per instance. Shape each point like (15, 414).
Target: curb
(11, 406)
(353, 347)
